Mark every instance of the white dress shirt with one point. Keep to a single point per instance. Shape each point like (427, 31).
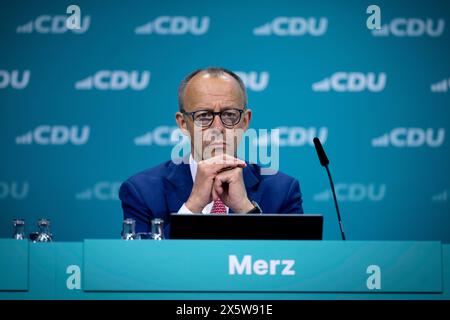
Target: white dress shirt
(207, 209)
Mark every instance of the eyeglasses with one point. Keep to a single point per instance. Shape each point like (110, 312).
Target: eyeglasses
(204, 118)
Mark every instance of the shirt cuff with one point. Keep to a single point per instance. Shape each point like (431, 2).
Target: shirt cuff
(184, 209)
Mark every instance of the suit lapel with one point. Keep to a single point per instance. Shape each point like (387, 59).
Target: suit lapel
(181, 180)
(251, 181)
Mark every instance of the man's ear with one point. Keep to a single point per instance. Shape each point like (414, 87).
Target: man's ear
(246, 119)
(182, 124)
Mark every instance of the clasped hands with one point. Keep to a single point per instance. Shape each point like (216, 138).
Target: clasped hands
(220, 177)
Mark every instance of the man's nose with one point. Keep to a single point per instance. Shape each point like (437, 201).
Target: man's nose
(217, 123)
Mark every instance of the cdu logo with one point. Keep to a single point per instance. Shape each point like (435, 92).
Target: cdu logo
(161, 136)
(103, 191)
(14, 79)
(55, 135)
(440, 86)
(354, 192)
(52, 24)
(115, 80)
(441, 197)
(351, 82)
(253, 80)
(292, 136)
(411, 27)
(410, 138)
(177, 25)
(293, 26)
(14, 190)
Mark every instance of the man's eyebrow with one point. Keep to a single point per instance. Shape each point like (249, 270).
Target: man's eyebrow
(201, 108)
(230, 107)
(209, 108)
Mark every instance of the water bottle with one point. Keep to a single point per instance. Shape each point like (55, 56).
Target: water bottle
(19, 229)
(157, 229)
(129, 229)
(44, 234)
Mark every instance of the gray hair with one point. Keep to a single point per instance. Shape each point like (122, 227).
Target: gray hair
(214, 72)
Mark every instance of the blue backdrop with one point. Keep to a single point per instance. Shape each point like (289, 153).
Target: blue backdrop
(82, 110)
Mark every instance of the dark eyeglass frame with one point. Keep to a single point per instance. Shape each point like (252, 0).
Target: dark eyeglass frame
(192, 114)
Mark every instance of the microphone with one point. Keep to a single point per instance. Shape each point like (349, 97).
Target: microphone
(325, 162)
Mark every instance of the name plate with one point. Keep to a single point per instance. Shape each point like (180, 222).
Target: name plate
(262, 266)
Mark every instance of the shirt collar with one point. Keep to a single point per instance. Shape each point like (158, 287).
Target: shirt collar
(193, 166)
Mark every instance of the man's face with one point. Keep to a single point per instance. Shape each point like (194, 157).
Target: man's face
(207, 93)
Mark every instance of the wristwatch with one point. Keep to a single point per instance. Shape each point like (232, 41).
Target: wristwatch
(256, 209)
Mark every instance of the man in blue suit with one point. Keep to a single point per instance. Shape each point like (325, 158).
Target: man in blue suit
(213, 113)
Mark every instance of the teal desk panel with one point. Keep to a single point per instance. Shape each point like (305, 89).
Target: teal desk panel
(53, 271)
(262, 266)
(56, 270)
(13, 265)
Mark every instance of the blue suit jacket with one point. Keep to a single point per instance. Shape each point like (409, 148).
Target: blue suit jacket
(162, 190)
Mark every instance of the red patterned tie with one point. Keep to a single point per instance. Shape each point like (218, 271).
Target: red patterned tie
(218, 207)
